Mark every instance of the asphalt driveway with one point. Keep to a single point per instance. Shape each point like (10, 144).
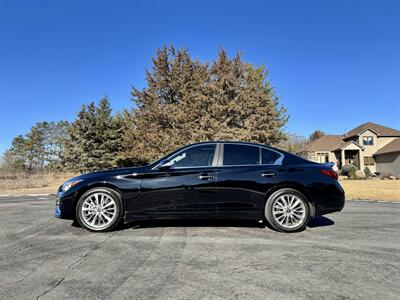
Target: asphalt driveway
(352, 254)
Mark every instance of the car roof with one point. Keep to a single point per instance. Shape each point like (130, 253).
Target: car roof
(289, 157)
(232, 142)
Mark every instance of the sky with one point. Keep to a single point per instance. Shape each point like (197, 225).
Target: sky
(334, 63)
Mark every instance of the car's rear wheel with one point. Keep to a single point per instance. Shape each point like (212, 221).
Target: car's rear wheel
(99, 209)
(287, 210)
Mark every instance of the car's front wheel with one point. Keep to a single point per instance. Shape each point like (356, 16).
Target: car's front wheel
(287, 210)
(99, 209)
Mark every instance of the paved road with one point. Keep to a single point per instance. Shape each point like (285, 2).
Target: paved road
(353, 254)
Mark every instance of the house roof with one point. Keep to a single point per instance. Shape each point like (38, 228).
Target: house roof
(325, 143)
(393, 146)
(378, 129)
(344, 144)
(338, 142)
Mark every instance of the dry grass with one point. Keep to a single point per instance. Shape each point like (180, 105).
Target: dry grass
(387, 190)
(41, 183)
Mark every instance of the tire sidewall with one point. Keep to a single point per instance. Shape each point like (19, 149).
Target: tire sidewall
(268, 210)
(119, 207)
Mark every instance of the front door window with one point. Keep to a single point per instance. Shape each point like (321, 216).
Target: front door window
(197, 156)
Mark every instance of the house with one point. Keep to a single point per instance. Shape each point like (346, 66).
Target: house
(368, 145)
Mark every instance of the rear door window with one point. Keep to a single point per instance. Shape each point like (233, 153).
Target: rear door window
(241, 155)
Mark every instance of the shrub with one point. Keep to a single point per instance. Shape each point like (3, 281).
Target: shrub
(352, 172)
(346, 168)
(367, 172)
(386, 174)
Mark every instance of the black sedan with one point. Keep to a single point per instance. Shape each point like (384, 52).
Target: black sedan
(206, 181)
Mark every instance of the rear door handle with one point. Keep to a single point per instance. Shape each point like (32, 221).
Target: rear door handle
(204, 177)
(268, 174)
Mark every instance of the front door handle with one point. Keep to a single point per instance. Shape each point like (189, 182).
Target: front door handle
(204, 177)
(268, 174)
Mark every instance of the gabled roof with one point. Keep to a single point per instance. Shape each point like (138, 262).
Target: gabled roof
(344, 144)
(325, 143)
(338, 142)
(378, 129)
(393, 146)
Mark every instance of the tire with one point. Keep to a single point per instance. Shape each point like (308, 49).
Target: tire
(287, 210)
(99, 210)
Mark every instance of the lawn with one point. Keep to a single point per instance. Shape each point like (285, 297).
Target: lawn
(23, 184)
(388, 190)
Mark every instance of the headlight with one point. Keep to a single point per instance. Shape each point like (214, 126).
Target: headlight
(66, 186)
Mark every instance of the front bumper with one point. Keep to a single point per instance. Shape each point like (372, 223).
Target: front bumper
(65, 208)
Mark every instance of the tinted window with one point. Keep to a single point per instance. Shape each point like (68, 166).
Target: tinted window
(268, 156)
(198, 156)
(241, 155)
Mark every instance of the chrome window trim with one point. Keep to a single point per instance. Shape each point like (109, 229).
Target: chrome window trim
(197, 167)
(220, 154)
(186, 148)
(219, 167)
(278, 162)
(216, 154)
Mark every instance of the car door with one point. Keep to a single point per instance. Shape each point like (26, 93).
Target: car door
(172, 188)
(246, 173)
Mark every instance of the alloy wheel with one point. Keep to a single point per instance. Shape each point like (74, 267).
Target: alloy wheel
(98, 210)
(288, 211)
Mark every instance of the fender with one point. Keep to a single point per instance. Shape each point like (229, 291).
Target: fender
(91, 185)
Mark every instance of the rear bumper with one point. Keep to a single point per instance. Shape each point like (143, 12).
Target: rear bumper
(330, 199)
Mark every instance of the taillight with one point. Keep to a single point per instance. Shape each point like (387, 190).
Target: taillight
(330, 173)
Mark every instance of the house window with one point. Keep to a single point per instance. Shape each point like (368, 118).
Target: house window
(369, 161)
(368, 140)
(322, 157)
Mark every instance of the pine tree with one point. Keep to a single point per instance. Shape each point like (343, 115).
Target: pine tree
(108, 136)
(41, 148)
(316, 135)
(35, 140)
(187, 101)
(94, 139)
(243, 104)
(15, 158)
(73, 145)
(56, 133)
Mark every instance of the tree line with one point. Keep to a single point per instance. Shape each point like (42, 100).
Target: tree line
(185, 101)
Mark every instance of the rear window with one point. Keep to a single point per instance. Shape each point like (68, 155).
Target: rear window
(269, 157)
(241, 155)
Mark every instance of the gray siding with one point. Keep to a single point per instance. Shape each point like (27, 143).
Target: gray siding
(388, 163)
